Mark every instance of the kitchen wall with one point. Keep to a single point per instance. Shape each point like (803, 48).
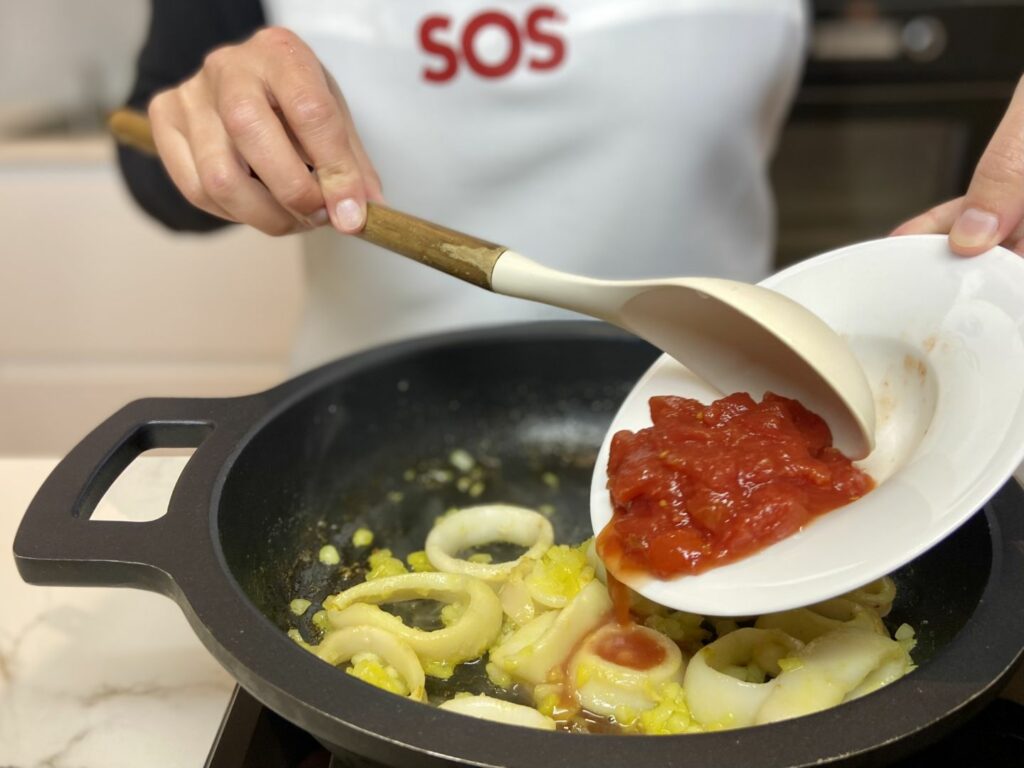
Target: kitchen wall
(98, 304)
(63, 62)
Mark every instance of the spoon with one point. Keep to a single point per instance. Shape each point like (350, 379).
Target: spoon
(738, 337)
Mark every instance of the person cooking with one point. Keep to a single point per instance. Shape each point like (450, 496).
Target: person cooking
(617, 140)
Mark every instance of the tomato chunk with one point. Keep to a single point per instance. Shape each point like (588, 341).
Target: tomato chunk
(709, 484)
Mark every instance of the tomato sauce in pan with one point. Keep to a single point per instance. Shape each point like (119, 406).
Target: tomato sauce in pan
(710, 484)
(630, 647)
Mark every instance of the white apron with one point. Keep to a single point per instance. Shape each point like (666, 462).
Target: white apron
(613, 138)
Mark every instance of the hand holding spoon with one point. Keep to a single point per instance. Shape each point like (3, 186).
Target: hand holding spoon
(737, 336)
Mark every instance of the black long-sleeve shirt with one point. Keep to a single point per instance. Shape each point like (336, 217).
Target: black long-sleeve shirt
(181, 33)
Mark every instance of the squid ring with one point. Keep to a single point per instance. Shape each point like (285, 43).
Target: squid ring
(603, 685)
(715, 697)
(533, 650)
(806, 624)
(466, 638)
(838, 666)
(485, 524)
(489, 708)
(878, 595)
(340, 645)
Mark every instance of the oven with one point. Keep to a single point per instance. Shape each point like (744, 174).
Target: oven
(897, 103)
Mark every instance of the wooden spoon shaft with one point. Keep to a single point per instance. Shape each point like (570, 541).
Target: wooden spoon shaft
(463, 256)
(132, 129)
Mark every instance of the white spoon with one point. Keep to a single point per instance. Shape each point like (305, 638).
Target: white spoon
(737, 336)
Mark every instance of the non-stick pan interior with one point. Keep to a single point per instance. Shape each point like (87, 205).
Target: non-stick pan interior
(372, 445)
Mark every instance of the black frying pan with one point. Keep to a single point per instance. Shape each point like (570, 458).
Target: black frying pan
(279, 473)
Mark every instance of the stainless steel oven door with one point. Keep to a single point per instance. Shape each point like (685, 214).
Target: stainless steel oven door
(894, 110)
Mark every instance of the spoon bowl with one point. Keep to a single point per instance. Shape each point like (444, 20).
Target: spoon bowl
(941, 340)
(737, 336)
(728, 332)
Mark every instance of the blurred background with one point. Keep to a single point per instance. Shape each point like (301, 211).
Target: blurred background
(99, 305)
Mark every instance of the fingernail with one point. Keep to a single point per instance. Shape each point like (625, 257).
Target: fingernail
(349, 215)
(319, 218)
(974, 228)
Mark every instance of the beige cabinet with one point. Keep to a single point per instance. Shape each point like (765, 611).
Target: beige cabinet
(100, 305)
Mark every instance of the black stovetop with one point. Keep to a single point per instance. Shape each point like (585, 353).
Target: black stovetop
(251, 736)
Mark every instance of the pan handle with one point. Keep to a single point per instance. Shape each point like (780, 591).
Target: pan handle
(58, 544)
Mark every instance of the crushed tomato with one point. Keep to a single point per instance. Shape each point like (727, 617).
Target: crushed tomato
(710, 484)
(630, 647)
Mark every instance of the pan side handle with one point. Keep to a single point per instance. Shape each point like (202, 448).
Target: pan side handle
(57, 543)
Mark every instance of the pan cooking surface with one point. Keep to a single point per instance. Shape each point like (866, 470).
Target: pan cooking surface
(378, 453)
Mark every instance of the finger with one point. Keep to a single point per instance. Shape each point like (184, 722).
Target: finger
(321, 129)
(995, 200)
(317, 119)
(245, 199)
(264, 144)
(176, 155)
(372, 187)
(295, 142)
(371, 179)
(936, 221)
(1015, 240)
(225, 178)
(320, 216)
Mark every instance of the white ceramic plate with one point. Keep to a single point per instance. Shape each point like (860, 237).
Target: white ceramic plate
(941, 339)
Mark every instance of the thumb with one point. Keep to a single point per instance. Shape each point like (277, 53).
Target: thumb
(994, 202)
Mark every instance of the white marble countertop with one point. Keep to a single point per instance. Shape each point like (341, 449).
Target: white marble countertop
(100, 677)
(107, 677)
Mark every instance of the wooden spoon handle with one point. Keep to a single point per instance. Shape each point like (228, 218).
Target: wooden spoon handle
(131, 128)
(463, 256)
